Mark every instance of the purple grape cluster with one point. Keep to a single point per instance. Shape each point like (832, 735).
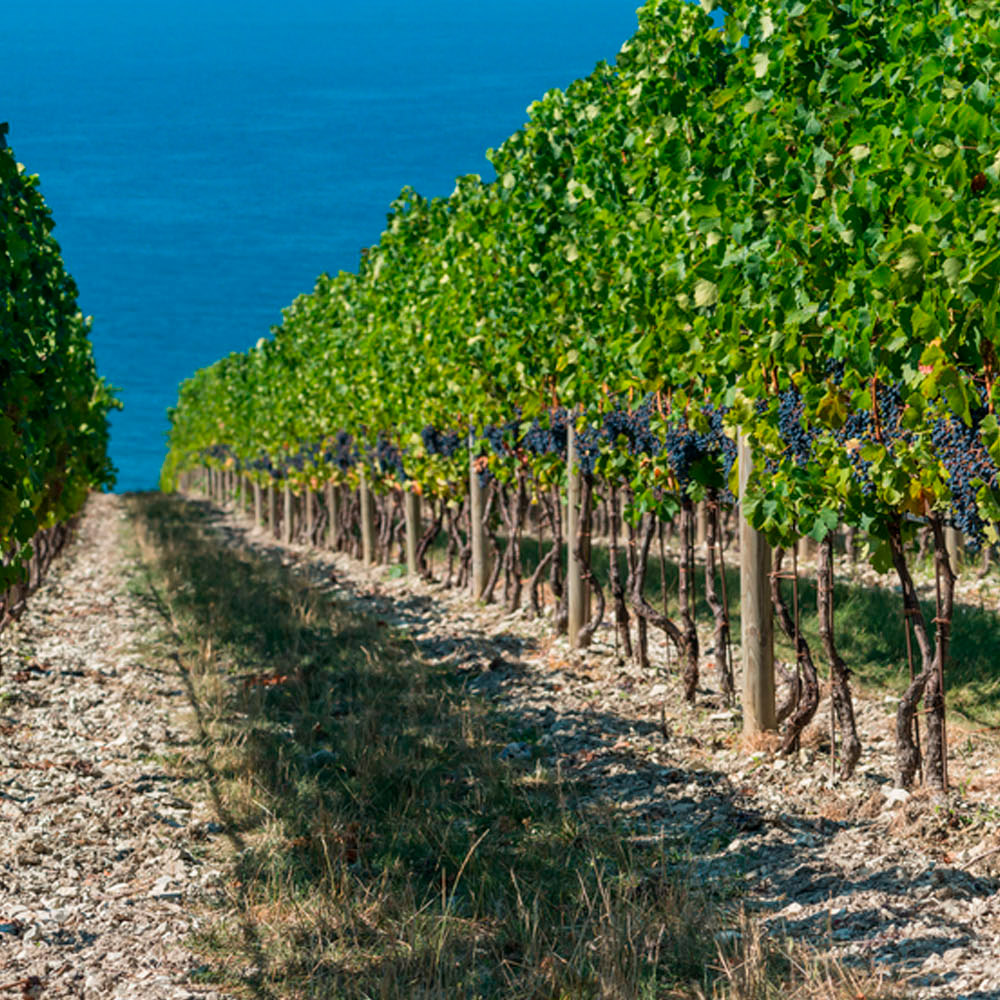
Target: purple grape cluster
(632, 427)
(960, 448)
(341, 451)
(861, 427)
(388, 458)
(798, 437)
(442, 443)
(547, 435)
(504, 439)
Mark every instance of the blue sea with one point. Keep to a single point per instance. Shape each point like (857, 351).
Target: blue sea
(205, 161)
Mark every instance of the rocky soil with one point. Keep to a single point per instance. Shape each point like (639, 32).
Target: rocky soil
(107, 864)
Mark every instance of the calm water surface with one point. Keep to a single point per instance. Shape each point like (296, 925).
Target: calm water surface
(204, 162)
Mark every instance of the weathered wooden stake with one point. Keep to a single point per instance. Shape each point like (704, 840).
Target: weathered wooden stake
(412, 513)
(307, 500)
(579, 592)
(700, 525)
(286, 521)
(272, 513)
(955, 545)
(477, 500)
(367, 522)
(257, 513)
(332, 514)
(756, 616)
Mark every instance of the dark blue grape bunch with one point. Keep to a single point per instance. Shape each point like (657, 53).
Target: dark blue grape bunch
(634, 426)
(445, 444)
(882, 425)
(796, 435)
(962, 452)
(588, 449)
(717, 443)
(682, 452)
(343, 451)
(547, 434)
(834, 370)
(389, 458)
(504, 439)
(223, 453)
(859, 428)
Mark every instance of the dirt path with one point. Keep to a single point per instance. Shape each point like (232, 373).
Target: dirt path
(102, 858)
(106, 866)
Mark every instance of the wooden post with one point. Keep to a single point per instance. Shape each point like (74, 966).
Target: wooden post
(272, 513)
(307, 500)
(700, 525)
(955, 545)
(412, 511)
(332, 514)
(286, 521)
(579, 596)
(850, 543)
(480, 562)
(755, 616)
(367, 522)
(240, 494)
(257, 513)
(807, 549)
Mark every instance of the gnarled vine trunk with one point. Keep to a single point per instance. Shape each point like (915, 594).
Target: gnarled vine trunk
(723, 665)
(907, 752)
(640, 605)
(686, 595)
(617, 590)
(582, 553)
(808, 687)
(840, 689)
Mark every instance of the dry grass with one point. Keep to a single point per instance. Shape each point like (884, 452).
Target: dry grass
(381, 849)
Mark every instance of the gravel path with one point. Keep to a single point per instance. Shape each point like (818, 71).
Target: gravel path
(102, 858)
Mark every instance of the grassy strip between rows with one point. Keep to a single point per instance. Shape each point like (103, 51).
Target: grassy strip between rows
(381, 847)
